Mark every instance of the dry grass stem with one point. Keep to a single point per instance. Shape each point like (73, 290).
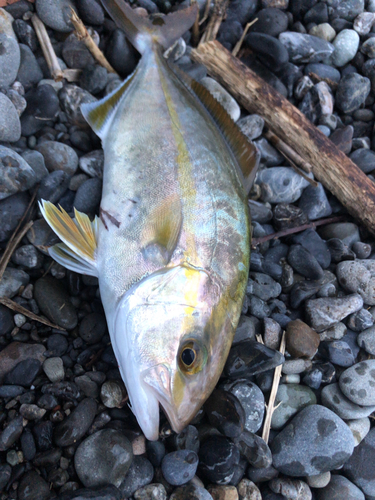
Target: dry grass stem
(275, 385)
(287, 151)
(48, 51)
(11, 247)
(85, 37)
(238, 45)
(21, 310)
(215, 21)
(206, 12)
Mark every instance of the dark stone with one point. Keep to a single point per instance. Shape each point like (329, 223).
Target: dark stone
(108, 492)
(319, 72)
(92, 328)
(364, 159)
(179, 467)
(343, 138)
(270, 22)
(338, 352)
(313, 243)
(120, 53)
(249, 358)
(23, 373)
(28, 445)
(339, 251)
(29, 72)
(77, 424)
(11, 211)
(26, 34)
(75, 53)
(225, 413)
(270, 51)
(352, 92)
(6, 320)
(287, 216)
(11, 433)
(359, 468)
(90, 11)
(53, 186)
(242, 10)
(218, 457)
(155, 452)
(317, 14)
(304, 262)
(94, 78)
(254, 449)
(43, 435)
(33, 487)
(139, 474)
(305, 48)
(42, 103)
(88, 196)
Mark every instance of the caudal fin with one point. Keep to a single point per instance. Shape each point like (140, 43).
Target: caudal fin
(142, 31)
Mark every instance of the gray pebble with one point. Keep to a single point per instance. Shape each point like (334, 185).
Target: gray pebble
(10, 56)
(366, 340)
(290, 399)
(339, 488)
(56, 14)
(252, 401)
(75, 426)
(16, 175)
(320, 480)
(346, 45)
(360, 428)
(179, 467)
(58, 156)
(334, 399)
(358, 383)
(88, 196)
(252, 126)
(291, 488)
(139, 475)
(358, 276)
(54, 369)
(280, 185)
(10, 125)
(92, 163)
(36, 161)
(305, 48)
(11, 282)
(29, 72)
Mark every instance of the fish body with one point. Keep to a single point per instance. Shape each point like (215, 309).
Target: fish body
(171, 248)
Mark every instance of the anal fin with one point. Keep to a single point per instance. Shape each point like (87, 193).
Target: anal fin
(79, 236)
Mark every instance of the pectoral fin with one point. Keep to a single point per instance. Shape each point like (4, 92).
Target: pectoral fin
(163, 228)
(79, 236)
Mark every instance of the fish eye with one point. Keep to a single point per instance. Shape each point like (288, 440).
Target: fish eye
(191, 357)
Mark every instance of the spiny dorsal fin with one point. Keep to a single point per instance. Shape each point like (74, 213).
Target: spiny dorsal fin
(245, 152)
(99, 114)
(142, 31)
(79, 236)
(159, 238)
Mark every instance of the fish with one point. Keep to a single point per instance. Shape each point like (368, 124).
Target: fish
(171, 245)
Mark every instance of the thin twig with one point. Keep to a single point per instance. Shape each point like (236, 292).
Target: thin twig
(22, 310)
(47, 48)
(271, 401)
(83, 35)
(11, 247)
(298, 229)
(206, 12)
(238, 45)
(215, 21)
(195, 28)
(300, 172)
(288, 151)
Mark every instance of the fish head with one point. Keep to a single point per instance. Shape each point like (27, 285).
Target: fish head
(172, 335)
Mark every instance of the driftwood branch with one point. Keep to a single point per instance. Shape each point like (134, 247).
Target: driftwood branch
(48, 52)
(85, 37)
(329, 165)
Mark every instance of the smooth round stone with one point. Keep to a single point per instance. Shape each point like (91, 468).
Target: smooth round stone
(179, 467)
(360, 428)
(94, 78)
(140, 474)
(364, 159)
(362, 250)
(223, 492)
(16, 175)
(93, 328)
(358, 383)
(339, 353)
(254, 449)
(352, 92)
(343, 138)
(323, 31)
(92, 163)
(33, 487)
(188, 492)
(71, 98)
(26, 34)
(225, 413)
(296, 366)
(346, 46)
(91, 12)
(154, 491)
(59, 156)
(319, 481)
(272, 333)
(368, 48)
(103, 457)
(11, 210)
(221, 95)
(304, 48)
(271, 21)
(269, 155)
(315, 441)
(29, 72)
(301, 291)
(252, 401)
(10, 56)
(339, 251)
(359, 468)
(314, 202)
(229, 33)
(11, 433)
(313, 243)
(339, 488)
(325, 312)
(349, 9)
(112, 393)
(54, 369)
(290, 399)
(75, 426)
(358, 276)
(120, 53)
(260, 212)
(56, 14)
(218, 457)
(88, 196)
(11, 282)
(108, 492)
(366, 340)
(263, 286)
(52, 187)
(286, 216)
(270, 51)
(42, 102)
(301, 340)
(304, 263)
(334, 399)
(250, 358)
(155, 452)
(361, 320)
(10, 126)
(247, 490)
(252, 126)
(28, 256)
(23, 373)
(54, 302)
(247, 328)
(188, 439)
(364, 22)
(281, 185)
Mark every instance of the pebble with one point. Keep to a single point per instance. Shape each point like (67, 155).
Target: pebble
(17, 352)
(52, 188)
(295, 366)
(223, 492)
(247, 490)
(120, 53)
(340, 487)
(359, 468)
(58, 156)
(33, 487)
(362, 250)
(366, 340)
(158, 492)
(290, 399)
(29, 72)
(187, 492)
(271, 21)
(42, 103)
(92, 328)
(314, 202)
(179, 467)
(325, 312)
(334, 399)
(71, 98)
(54, 369)
(218, 457)
(270, 157)
(16, 175)
(247, 329)
(270, 51)
(252, 401)
(92, 163)
(88, 196)
(320, 480)
(368, 48)
(291, 488)
(56, 14)
(31, 412)
(315, 441)
(23, 373)
(26, 34)
(263, 286)
(109, 492)
(352, 92)
(346, 46)
(301, 340)
(358, 383)
(10, 56)
(75, 426)
(360, 428)
(323, 31)
(11, 433)
(10, 125)
(252, 126)
(224, 412)
(280, 184)
(364, 22)
(222, 96)
(304, 263)
(112, 393)
(102, 458)
(304, 48)
(358, 276)
(11, 282)
(91, 12)
(250, 358)
(360, 320)
(140, 474)
(54, 301)
(339, 251)
(364, 159)
(28, 256)
(254, 449)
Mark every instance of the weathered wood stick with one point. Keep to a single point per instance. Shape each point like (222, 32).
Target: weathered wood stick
(220, 8)
(329, 165)
(288, 151)
(47, 48)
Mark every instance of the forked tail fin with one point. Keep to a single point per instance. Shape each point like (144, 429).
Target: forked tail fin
(142, 31)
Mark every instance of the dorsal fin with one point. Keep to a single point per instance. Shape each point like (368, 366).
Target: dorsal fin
(99, 114)
(245, 152)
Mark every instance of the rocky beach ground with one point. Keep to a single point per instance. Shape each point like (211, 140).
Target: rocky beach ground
(66, 431)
